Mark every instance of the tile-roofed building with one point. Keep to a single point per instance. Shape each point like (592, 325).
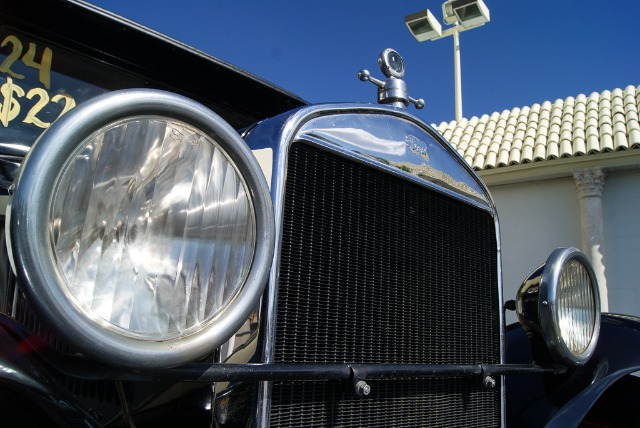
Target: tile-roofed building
(598, 123)
(563, 173)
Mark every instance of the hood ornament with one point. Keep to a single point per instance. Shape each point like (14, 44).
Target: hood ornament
(392, 91)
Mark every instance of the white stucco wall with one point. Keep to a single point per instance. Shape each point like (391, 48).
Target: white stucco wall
(621, 206)
(535, 218)
(538, 216)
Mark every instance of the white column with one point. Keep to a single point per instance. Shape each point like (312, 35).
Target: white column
(590, 184)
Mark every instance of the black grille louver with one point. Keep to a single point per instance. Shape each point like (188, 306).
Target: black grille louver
(377, 269)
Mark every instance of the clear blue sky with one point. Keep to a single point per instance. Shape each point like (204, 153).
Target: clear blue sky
(530, 52)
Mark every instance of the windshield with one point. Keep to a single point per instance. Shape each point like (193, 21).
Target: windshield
(39, 82)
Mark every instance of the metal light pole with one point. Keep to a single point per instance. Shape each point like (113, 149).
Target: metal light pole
(463, 15)
(457, 72)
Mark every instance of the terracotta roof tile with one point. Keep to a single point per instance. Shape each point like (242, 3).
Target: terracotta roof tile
(584, 125)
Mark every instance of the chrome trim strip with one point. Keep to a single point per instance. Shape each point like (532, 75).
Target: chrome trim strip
(500, 309)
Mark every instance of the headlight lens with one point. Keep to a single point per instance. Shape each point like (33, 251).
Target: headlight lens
(152, 228)
(142, 227)
(576, 307)
(560, 301)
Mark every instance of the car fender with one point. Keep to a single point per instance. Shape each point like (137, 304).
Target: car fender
(564, 400)
(24, 375)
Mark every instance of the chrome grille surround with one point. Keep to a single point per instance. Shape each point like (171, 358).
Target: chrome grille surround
(294, 131)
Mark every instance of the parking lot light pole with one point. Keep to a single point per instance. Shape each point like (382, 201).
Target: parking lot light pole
(457, 72)
(463, 15)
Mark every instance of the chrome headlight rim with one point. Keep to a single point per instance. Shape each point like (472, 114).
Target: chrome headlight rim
(548, 305)
(29, 211)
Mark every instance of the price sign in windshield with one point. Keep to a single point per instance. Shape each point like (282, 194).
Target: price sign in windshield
(41, 81)
(21, 98)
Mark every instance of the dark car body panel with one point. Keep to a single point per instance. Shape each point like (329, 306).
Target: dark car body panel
(127, 55)
(163, 62)
(565, 400)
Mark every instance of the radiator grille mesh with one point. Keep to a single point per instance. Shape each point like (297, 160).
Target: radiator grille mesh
(376, 269)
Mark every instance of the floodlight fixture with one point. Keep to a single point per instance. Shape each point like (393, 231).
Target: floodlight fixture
(469, 13)
(423, 25)
(462, 15)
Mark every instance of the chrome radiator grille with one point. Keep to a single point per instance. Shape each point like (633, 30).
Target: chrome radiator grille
(376, 269)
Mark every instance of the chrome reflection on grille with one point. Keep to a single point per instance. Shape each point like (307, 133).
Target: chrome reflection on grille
(376, 269)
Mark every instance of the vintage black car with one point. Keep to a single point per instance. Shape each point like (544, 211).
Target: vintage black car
(189, 244)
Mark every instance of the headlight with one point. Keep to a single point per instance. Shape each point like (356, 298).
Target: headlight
(142, 227)
(560, 301)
